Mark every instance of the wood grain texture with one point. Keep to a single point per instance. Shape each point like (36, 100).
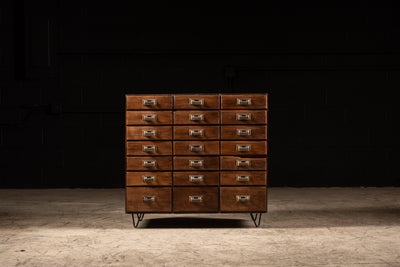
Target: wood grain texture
(209, 101)
(210, 117)
(256, 147)
(182, 178)
(257, 101)
(209, 132)
(135, 117)
(136, 164)
(209, 147)
(256, 203)
(230, 132)
(209, 201)
(136, 102)
(257, 117)
(162, 203)
(136, 132)
(210, 163)
(229, 163)
(256, 178)
(135, 148)
(136, 179)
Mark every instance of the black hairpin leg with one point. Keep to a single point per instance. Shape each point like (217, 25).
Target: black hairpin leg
(139, 216)
(256, 218)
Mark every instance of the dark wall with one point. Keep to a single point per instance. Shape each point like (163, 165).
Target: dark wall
(331, 71)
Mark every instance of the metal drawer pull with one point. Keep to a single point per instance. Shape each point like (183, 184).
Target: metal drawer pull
(243, 132)
(196, 102)
(149, 117)
(149, 163)
(149, 102)
(243, 116)
(149, 132)
(149, 198)
(195, 198)
(243, 163)
(148, 178)
(196, 132)
(196, 117)
(149, 148)
(242, 198)
(196, 178)
(243, 101)
(196, 163)
(242, 178)
(196, 148)
(243, 148)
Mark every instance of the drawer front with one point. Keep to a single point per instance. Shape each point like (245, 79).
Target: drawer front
(196, 199)
(147, 117)
(196, 147)
(149, 148)
(196, 132)
(149, 102)
(249, 101)
(243, 116)
(148, 163)
(197, 117)
(243, 132)
(148, 199)
(148, 178)
(148, 132)
(243, 199)
(243, 147)
(196, 163)
(242, 163)
(196, 178)
(196, 102)
(244, 178)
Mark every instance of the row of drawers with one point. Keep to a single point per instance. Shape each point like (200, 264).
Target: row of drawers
(193, 178)
(158, 148)
(196, 199)
(202, 163)
(196, 117)
(196, 101)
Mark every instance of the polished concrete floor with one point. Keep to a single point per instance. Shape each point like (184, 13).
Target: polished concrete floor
(304, 227)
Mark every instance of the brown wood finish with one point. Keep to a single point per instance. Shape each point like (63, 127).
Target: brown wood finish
(210, 117)
(135, 148)
(257, 132)
(208, 203)
(209, 132)
(136, 102)
(257, 117)
(255, 178)
(210, 163)
(257, 199)
(209, 102)
(256, 147)
(136, 163)
(136, 178)
(229, 163)
(209, 178)
(209, 147)
(257, 101)
(136, 132)
(162, 201)
(135, 117)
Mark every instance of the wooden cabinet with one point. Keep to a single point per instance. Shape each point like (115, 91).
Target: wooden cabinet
(196, 153)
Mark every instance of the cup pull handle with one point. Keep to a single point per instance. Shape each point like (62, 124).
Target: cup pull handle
(196, 102)
(243, 148)
(243, 163)
(149, 102)
(149, 117)
(196, 148)
(196, 117)
(196, 132)
(243, 116)
(149, 148)
(147, 199)
(149, 163)
(196, 178)
(243, 101)
(148, 178)
(148, 133)
(242, 178)
(243, 132)
(196, 163)
(195, 198)
(242, 198)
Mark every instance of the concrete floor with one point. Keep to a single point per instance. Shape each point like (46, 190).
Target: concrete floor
(304, 227)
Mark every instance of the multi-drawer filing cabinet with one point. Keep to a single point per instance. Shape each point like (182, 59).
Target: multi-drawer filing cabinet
(196, 153)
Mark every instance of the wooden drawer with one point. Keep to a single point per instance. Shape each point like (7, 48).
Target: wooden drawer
(247, 101)
(148, 178)
(243, 117)
(196, 163)
(244, 178)
(196, 199)
(148, 148)
(242, 163)
(148, 199)
(148, 102)
(244, 132)
(243, 199)
(196, 132)
(196, 117)
(196, 147)
(196, 102)
(196, 178)
(160, 163)
(243, 147)
(147, 117)
(148, 133)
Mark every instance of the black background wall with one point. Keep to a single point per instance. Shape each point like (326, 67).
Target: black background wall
(331, 69)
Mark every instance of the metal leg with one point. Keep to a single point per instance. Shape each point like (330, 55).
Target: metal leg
(255, 217)
(139, 216)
